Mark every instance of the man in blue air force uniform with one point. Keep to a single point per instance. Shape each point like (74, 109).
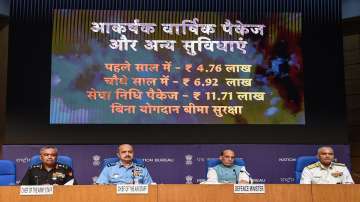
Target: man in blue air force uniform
(227, 172)
(124, 171)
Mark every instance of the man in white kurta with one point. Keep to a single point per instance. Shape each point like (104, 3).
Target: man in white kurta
(226, 171)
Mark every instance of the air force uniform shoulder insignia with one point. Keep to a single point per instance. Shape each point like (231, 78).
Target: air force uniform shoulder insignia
(111, 164)
(314, 165)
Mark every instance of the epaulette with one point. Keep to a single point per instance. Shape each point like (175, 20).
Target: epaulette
(36, 166)
(111, 164)
(314, 165)
(339, 164)
(139, 165)
(60, 165)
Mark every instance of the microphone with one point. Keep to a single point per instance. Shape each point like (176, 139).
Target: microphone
(236, 179)
(36, 179)
(133, 176)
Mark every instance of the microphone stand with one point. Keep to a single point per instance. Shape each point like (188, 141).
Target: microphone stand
(236, 179)
(36, 180)
(133, 176)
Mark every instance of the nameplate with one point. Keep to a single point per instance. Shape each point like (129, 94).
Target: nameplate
(249, 188)
(36, 190)
(132, 189)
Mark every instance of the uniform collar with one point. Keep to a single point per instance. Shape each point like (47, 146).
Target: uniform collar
(42, 167)
(330, 166)
(122, 165)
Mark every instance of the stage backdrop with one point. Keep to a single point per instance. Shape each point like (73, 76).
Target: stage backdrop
(180, 164)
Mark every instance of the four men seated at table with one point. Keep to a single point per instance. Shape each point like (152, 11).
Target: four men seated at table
(126, 171)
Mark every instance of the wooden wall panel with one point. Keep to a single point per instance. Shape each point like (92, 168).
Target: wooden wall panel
(4, 30)
(351, 40)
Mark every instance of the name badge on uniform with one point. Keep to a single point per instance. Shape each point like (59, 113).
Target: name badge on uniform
(36, 190)
(132, 189)
(249, 188)
(137, 172)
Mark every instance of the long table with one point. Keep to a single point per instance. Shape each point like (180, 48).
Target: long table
(191, 193)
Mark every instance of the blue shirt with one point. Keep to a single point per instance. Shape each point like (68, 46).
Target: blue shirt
(116, 173)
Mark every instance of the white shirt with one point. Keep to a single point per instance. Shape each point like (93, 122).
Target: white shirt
(336, 173)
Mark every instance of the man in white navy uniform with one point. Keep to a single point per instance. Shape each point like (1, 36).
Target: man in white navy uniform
(226, 171)
(325, 171)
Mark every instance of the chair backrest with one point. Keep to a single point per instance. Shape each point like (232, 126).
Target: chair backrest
(60, 159)
(301, 163)
(212, 162)
(7, 173)
(116, 159)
